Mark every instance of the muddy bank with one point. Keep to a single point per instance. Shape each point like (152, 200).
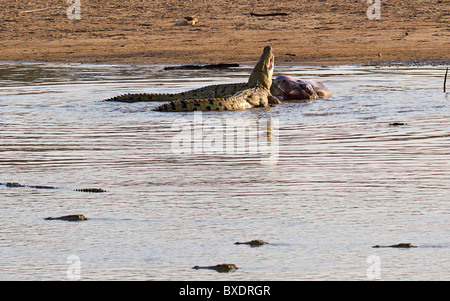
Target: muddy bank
(154, 32)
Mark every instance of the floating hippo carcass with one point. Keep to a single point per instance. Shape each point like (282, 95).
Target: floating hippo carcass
(291, 88)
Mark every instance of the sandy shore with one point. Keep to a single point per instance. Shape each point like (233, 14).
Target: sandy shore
(153, 32)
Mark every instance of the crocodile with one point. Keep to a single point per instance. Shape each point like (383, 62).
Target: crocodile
(397, 123)
(253, 243)
(290, 88)
(221, 268)
(70, 218)
(400, 245)
(237, 96)
(211, 91)
(89, 190)
(257, 96)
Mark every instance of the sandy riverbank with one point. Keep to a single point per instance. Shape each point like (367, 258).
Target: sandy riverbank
(151, 32)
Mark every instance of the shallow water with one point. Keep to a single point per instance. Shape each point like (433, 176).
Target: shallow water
(322, 181)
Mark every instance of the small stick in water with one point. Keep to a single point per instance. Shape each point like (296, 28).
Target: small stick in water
(445, 80)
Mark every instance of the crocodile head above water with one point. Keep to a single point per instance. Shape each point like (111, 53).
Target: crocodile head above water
(263, 71)
(253, 243)
(70, 218)
(221, 268)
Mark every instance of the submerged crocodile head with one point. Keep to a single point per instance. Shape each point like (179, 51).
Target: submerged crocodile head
(263, 71)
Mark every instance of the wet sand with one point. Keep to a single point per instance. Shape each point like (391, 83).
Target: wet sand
(153, 32)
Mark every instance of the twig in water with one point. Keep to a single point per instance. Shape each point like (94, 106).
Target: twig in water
(445, 80)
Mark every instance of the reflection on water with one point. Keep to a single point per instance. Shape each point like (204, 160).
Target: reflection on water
(182, 191)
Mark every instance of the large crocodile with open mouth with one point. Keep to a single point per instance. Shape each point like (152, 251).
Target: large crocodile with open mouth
(239, 96)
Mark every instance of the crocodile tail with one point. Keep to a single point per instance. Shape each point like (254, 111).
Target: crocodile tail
(211, 104)
(142, 97)
(218, 91)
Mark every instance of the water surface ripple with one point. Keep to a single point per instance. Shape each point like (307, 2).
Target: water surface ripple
(336, 177)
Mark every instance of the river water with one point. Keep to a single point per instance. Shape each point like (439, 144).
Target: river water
(322, 182)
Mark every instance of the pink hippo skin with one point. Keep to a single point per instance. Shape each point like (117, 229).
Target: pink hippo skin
(290, 88)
